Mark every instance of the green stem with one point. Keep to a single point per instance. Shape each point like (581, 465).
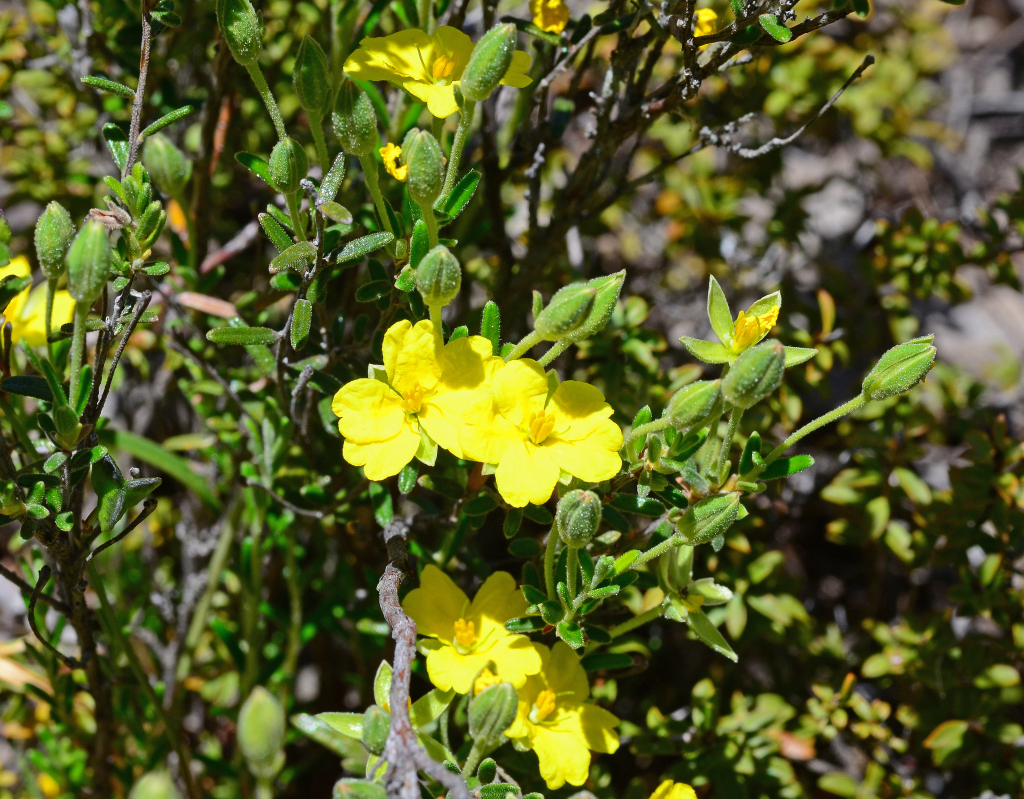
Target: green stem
(549, 562)
(268, 98)
(437, 128)
(461, 133)
(476, 754)
(572, 565)
(709, 453)
(254, 594)
(559, 347)
(51, 290)
(77, 349)
(373, 184)
(425, 13)
(294, 646)
(435, 317)
(810, 427)
(636, 621)
(524, 346)
(296, 215)
(431, 220)
(723, 454)
(651, 427)
(13, 416)
(656, 551)
(316, 127)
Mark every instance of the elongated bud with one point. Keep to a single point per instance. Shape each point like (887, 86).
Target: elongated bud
(708, 519)
(567, 310)
(355, 121)
(900, 369)
(241, 29)
(154, 785)
(89, 262)
(261, 727)
(310, 77)
(166, 164)
(423, 155)
(54, 233)
(607, 290)
(694, 404)
(376, 723)
(489, 62)
(713, 593)
(438, 277)
(578, 517)
(288, 165)
(491, 712)
(755, 375)
(676, 567)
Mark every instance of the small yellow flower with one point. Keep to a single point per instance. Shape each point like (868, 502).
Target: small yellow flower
(549, 15)
(428, 66)
(704, 22)
(673, 790)
(391, 152)
(27, 311)
(555, 720)
(747, 330)
(48, 785)
(428, 388)
(532, 437)
(471, 637)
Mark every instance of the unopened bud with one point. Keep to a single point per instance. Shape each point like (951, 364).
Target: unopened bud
(755, 375)
(693, 405)
(376, 723)
(166, 164)
(241, 28)
(425, 160)
(489, 62)
(491, 712)
(154, 785)
(708, 519)
(900, 369)
(261, 727)
(54, 233)
(676, 567)
(89, 262)
(438, 277)
(567, 310)
(607, 290)
(288, 165)
(310, 77)
(355, 121)
(578, 517)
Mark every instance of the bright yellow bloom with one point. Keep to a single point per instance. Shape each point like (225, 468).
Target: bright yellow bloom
(27, 311)
(532, 437)
(429, 67)
(427, 390)
(391, 152)
(556, 721)
(470, 636)
(748, 330)
(673, 790)
(704, 25)
(486, 679)
(549, 15)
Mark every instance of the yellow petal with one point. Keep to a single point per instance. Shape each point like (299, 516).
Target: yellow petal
(525, 474)
(19, 267)
(591, 459)
(450, 670)
(519, 389)
(368, 410)
(564, 672)
(440, 99)
(456, 45)
(673, 790)
(30, 324)
(383, 459)
(515, 656)
(411, 356)
(595, 725)
(563, 757)
(395, 58)
(579, 407)
(517, 72)
(436, 605)
(485, 435)
(549, 15)
(497, 600)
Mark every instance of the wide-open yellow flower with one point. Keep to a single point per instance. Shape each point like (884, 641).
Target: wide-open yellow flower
(555, 720)
(549, 15)
(532, 437)
(748, 329)
(390, 153)
(469, 635)
(428, 388)
(704, 22)
(27, 311)
(673, 790)
(428, 66)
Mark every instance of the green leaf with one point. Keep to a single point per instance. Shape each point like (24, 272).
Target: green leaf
(718, 312)
(479, 506)
(407, 478)
(513, 521)
(335, 176)
(419, 244)
(429, 706)
(348, 724)
(275, 232)
(108, 483)
(298, 257)
(784, 467)
(600, 661)
(838, 783)
(168, 119)
(242, 335)
(11, 286)
(863, 7)
(156, 270)
(302, 317)
(625, 560)
(774, 28)
(798, 355)
(702, 627)
(368, 292)
(752, 447)
(257, 166)
(525, 548)
(109, 86)
(525, 624)
(642, 506)
(460, 332)
(117, 143)
(137, 490)
(490, 325)
(335, 212)
(571, 633)
(538, 515)
(357, 248)
(27, 386)
(325, 735)
(998, 675)
(406, 280)
(382, 684)
(949, 735)
(707, 351)
(380, 497)
(461, 195)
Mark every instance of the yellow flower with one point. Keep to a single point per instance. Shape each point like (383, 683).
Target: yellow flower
(428, 388)
(748, 330)
(533, 437)
(673, 790)
(704, 25)
(470, 636)
(391, 152)
(429, 67)
(549, 15)
(556, 721)
(27, 311)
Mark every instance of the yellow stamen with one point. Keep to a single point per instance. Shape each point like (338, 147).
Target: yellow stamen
(465, 633)
(544, 705)
(486, 679)
(390, 153)
(540, 426)
(413, 402)
(748, 330)
(443, 66)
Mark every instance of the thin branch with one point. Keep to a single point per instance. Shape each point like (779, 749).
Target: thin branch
(141, 303)
(313, 514)
(27, 590)
(148, 506)
(140, 95)
(44, 578)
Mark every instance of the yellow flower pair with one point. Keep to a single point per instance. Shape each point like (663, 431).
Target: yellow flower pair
(27, 311)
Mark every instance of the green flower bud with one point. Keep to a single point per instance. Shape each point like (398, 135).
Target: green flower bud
(288, 165)
(693, 405)
(489, 62)
(376, 723)
(438, 277)
(54, 233)
(425, 160)
(89, 262)
(348, 788)
(607, 290)
(355, 121)
(241, 29)
(310, 77)
(491, 712)
(568, 309)
(709, 518)
(755, 375)
(154, 785)
(676, 568)
(487, 771)
(900, 369)
(578, 517)
(166, 164)
(713, 593)
(261, 727)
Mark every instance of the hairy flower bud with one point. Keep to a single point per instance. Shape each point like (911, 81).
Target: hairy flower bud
(355, 121)
(288, 165)
(166, 164)
(89, 262)
(755, 375)
(708, 519)
(54, 233)
(425, 160)
(578, 517)
(568, 309)
(241, 28)
(491, 712)
(261, 727)
(900, 369)
(376, 723)
(489, 62)
(693, 405)
(438, 277)
(154, 785)
(310, 77)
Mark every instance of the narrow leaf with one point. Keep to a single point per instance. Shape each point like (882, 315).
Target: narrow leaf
(168, 119)
(784, 467)
(774, 28)
(357, 248)
(798, 355)
(707, 351)
(242, 335)
(702, 627)
(257, 166)
(718, 311)
(117, 143)
(330, 185)
(109, 86)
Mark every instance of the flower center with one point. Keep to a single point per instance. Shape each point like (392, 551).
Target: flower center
(748, 330)
(465, 633)
(541, 425)
(543, 705)
(412, 402)
(486, 679)
(443, 66)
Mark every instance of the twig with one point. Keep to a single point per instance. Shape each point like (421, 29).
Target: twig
(148, 506)
(140, 96)
(242, 241)
(141, 304)
(44, 578)
(27, 590)
(313, 514)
